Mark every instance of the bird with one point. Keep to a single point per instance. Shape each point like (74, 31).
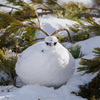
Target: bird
(46, 63)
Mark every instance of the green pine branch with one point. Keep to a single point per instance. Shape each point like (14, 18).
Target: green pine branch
(6, 20)
(74, 10)
(16, 2)
(97, 52)
(85, 29)
(10, 25)
(91, 65)
(91, 91)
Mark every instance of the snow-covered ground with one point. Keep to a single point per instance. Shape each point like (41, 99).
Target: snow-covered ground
(37, 92)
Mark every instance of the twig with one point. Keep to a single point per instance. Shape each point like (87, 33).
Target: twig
(9, 6)
(11, 11)
(37, 18)
(34, 16)
(31, 26)
(90, 15)
(57, 4)
(37, 39)
(97, 4)
(61, 29)
(15, 79)
(47, 7)
(91, 8)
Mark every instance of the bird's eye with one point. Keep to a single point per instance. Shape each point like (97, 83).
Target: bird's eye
(55, 43)
(47, 43)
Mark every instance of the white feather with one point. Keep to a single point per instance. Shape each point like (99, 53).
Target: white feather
(45, 65)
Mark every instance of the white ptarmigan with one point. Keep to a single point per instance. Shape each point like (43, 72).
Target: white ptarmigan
(45, 63)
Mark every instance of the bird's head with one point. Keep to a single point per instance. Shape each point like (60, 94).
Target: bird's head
(51, 41)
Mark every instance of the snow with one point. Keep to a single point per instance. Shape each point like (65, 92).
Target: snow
(6, 9)
(50, 24)
(87, 46)
(34, 92)
(86, 2)
(3, 8)
(37, 92)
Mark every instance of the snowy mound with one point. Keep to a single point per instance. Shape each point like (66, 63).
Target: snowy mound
(86, 2)
(50, 24)
(45, 63)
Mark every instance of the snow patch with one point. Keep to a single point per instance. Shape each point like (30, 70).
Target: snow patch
(86, 2)
(50, 24)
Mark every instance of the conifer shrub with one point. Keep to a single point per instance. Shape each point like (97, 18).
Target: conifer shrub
(62, 38)
(75, 51)
(91, 91)
(7, 64)
(91, 65)
(80, 37)
(83, 32)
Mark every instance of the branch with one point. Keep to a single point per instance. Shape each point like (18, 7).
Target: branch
(45, 9)
(97, 4)
(46, 6)
(37, 39)
(34, 16)
(90, 15)
(31, 26)
(15, 79)
(91, 9)
(9, 7)
(27, 25)
(36, 28)
(62, 30)
(58, 4)
(37, 18)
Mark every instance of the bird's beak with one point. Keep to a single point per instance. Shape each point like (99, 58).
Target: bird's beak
(51, 44)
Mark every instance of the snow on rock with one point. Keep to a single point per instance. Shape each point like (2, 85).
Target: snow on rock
(87, 46)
